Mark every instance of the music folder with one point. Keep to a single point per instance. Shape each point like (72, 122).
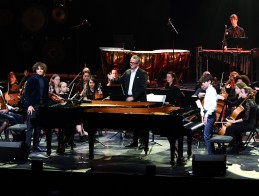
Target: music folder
(114, 93)
(156, 98)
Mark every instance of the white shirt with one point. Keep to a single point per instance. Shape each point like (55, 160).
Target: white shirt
(210, 100)
(132, 76)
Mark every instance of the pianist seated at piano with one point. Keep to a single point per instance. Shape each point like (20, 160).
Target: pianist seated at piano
(172, 84)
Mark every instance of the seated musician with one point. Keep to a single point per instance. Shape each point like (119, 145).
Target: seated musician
(94, 89)
(241, 125)
(3, 125)
(9, 113)
(82, 85)
(13, 89)
(243, 78)
(79, 128)
(173, 84)
(232, 102)
(229, 86)
(115, 74)
(54, 84)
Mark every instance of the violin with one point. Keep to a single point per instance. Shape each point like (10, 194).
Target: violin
(57, 99)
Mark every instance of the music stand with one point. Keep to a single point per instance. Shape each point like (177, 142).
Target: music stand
(159, 99)
(238, 43)
(115, 93)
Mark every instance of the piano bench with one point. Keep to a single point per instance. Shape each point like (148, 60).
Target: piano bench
(221, 140)
(18, 132)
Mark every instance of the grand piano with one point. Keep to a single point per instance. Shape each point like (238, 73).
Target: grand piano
(166, 121)
(67, 115)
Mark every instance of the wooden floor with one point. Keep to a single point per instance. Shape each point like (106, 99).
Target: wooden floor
(112, 157)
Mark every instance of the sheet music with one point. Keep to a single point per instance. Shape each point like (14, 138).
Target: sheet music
(156, 98)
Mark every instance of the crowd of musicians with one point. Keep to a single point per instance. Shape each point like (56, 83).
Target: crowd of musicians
(20, 102)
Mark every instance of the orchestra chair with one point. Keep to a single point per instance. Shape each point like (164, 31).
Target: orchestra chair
(18, 132)
(221, 140)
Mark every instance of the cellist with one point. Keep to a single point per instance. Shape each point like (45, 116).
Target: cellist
(233, 101)
(243, 124)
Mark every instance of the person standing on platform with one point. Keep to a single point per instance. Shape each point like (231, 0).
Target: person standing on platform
(235, 31)
(134, 81)
(36, 94)
(208, 115)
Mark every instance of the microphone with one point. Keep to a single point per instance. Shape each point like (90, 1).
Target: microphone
(169, 20)
(85, 21)
(226, 31)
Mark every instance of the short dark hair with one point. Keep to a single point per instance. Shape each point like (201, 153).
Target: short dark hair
(39, 64)
(206, 78)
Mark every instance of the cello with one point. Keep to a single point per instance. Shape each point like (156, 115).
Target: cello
(2, 102)
(236, 114)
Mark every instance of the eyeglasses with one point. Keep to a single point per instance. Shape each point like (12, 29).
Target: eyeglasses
(133, 63)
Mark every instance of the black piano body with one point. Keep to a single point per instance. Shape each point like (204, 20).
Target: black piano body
(63, 117)
(66, 116)
(164, 121)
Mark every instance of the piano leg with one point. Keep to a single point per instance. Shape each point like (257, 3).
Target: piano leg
(146, 140)
(172, 142)
(189, 144)
(91, 139)
(61, 146)
(49, 140)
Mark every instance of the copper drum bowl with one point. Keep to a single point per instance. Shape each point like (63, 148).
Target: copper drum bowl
(114, 56)
(147, 60)
(172, 60)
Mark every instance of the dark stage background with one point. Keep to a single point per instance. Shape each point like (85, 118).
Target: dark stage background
(39, 30)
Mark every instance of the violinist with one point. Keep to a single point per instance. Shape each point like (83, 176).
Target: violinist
(82, 86)
(9, 112)
(54, 84)
(245, 123)
(12, 94)
(208, 114)
(79, 128)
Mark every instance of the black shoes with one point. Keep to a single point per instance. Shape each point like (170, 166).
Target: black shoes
(38, 149)
(179, 162)
(141, 146)
(133, 144)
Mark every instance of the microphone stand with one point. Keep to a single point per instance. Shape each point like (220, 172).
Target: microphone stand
(74, 79)
(224, 38)
(172, 29)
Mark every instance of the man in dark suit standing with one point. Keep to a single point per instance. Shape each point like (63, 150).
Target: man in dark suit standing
(36, 94)
(134, 82)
